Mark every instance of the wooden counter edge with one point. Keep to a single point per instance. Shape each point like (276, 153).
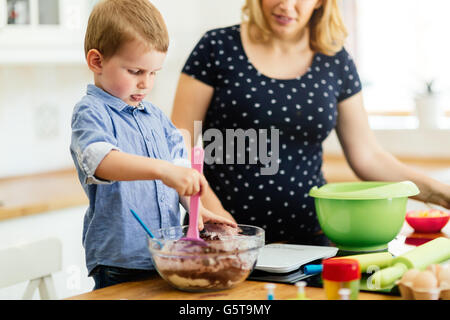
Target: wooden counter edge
(155, 288)
(64, 179)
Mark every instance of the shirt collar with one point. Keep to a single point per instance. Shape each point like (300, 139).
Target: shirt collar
(111, 100)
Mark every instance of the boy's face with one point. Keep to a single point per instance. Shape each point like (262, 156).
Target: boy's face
(130, 73)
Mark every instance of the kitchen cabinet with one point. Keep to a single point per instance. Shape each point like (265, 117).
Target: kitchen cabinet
(43, 31)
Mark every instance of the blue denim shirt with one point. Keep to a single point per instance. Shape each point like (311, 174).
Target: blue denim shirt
(101, 123)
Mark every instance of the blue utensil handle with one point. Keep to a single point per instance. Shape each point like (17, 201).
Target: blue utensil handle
(312, 269)
(142, 224)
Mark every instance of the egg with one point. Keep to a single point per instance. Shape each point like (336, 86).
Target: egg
(435, 268)
(425, 280)
(444, 277)
(408, 276)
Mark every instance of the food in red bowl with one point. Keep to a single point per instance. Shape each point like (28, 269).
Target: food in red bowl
(427, 221)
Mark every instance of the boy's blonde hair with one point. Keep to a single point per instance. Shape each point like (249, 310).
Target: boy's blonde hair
(114, 22)
(327, 30)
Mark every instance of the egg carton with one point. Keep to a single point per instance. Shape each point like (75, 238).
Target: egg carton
(409, 293)
(433, 283)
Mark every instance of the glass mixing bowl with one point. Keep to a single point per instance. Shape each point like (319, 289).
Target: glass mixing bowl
(225, 260)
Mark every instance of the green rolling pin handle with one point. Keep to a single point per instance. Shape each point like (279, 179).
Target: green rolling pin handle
(387, 276)
(369, 261)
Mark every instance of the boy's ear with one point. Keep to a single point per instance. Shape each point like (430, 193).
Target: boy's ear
(94, 61)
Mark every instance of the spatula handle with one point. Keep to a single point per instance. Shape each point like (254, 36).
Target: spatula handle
(197, 156)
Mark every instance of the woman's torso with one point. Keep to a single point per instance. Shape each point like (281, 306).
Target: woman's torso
(248, 105)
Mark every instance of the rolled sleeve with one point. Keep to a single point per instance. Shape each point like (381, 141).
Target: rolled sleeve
(91, 141)
(91, 158)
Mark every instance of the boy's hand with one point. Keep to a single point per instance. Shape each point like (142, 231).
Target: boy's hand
(186, 181)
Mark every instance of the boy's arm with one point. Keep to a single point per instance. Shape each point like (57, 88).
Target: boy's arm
(120, 166)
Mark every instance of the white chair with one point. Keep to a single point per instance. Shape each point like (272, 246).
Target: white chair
(34, 261)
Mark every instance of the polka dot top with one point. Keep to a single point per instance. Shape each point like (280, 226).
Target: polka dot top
(303, 109)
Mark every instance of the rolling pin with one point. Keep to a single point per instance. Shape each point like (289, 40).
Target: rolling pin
(434, 251)
(366, 261)
(369, 260)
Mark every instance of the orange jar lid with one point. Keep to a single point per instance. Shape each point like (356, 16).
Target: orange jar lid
(340, 269)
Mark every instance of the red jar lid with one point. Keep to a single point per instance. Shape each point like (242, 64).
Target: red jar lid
(340, 269)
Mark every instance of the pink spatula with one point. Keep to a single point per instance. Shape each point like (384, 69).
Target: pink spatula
(197, 156)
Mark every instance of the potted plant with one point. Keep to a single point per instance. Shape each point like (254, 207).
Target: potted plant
(428, 109)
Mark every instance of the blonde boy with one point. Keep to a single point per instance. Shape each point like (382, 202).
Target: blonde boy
(124, 148)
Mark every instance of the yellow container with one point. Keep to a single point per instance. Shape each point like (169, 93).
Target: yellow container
(341, 273)
(332, 289)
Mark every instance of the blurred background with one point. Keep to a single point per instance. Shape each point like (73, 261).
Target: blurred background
(400, 49)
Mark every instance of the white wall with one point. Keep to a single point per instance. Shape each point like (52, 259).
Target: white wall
(36, 101)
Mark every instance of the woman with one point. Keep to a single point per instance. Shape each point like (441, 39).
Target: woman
(284, 67)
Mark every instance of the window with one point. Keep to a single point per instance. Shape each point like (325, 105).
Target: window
(399, 46)
(29, 12)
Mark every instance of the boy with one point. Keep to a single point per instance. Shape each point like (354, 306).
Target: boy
(124, 148)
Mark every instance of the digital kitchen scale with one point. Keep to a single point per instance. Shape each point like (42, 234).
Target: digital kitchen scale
(284, 258)
(283, 263)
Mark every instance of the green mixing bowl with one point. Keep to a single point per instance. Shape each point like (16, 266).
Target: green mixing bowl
(362, 216)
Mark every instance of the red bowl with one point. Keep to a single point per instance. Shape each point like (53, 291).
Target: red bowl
(427, 224)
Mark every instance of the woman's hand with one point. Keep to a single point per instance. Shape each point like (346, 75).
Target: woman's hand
(371, 163)
(208, 216)
(437, 193)
(185, 181)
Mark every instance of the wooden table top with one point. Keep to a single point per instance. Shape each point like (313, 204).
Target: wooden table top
(155, 288)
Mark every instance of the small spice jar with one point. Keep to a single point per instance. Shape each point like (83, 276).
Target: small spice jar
(341, 273)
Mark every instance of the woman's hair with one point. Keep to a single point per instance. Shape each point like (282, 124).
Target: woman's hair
(327, 30)
(114, 22)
